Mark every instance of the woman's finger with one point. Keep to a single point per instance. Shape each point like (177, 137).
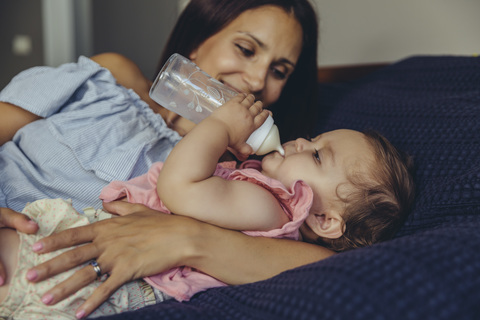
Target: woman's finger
(66, 238)
(123, 208)
(12, 219)
(77, 281)
(63, 262)
(101, 294)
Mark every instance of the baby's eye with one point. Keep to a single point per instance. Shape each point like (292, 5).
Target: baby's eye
(246, 52)
(316, 156)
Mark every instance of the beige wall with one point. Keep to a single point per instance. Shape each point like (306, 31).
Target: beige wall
(18, 23)
(351, 31)
(365, 31)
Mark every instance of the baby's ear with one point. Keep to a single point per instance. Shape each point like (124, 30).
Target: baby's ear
(328, 225)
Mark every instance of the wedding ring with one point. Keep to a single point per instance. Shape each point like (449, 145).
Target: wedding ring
(96, 268)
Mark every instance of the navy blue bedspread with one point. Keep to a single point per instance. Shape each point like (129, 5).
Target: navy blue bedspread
(428, 106)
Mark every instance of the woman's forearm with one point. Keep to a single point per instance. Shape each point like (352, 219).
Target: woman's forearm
(236, 258)
(12, 118)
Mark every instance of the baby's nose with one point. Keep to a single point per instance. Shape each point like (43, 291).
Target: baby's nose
(300, 144)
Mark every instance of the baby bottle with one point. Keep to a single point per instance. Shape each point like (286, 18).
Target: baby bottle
(182, 87)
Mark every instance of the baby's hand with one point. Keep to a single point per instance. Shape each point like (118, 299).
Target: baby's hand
(241, 115)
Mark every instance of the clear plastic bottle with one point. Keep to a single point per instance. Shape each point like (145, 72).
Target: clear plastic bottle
(182, 87)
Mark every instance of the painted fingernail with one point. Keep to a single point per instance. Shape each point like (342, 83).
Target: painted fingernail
(80, 314)
(32, 275)
(46, 299)
(31, 222)
(37, 246)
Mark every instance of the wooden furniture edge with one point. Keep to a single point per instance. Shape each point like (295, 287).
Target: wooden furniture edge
(344, 73)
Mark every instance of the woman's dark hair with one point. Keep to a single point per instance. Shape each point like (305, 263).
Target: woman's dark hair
(294, 111)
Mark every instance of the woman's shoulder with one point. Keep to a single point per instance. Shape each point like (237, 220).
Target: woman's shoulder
(125, 71)
(114, 61)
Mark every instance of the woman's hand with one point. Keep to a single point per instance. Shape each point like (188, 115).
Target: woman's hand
(144, 242)
(14, 220)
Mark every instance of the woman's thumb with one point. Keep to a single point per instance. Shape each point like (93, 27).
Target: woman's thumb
(17, 221)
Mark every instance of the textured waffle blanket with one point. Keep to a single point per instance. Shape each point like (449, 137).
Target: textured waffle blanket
(428, 106)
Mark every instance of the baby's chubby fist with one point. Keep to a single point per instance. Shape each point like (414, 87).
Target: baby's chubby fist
(241, 115)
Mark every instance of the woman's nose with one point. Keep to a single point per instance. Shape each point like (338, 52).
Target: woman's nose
(255, 77)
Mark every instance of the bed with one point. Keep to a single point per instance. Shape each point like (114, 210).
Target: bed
(428, 106)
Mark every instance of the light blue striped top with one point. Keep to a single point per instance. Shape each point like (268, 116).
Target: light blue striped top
(94, 131)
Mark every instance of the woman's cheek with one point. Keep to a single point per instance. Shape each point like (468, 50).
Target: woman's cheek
(272, 95)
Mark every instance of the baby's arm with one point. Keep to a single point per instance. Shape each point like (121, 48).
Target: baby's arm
(186, 183)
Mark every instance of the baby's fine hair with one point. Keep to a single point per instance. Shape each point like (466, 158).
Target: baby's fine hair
(380, 200)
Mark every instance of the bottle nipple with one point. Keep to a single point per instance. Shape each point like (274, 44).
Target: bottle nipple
(266, 139)
(271, 143)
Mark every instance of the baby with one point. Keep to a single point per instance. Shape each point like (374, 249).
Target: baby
(343, 189)
(362, 186)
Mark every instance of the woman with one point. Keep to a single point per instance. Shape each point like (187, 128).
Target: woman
(202, 19)
(267, 48)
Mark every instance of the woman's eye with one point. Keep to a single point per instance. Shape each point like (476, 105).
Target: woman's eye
(279, 74)
(246, 52)
(316, 155)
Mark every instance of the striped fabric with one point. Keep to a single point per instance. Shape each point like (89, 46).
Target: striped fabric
(94, 131)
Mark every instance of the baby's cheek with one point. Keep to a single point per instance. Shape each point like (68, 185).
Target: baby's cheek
(268, 166)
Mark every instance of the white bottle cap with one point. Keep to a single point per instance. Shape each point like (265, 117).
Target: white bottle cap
(266, 139)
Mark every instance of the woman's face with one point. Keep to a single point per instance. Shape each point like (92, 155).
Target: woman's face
(255, 53)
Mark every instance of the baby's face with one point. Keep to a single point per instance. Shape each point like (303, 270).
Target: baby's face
(323, 163)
